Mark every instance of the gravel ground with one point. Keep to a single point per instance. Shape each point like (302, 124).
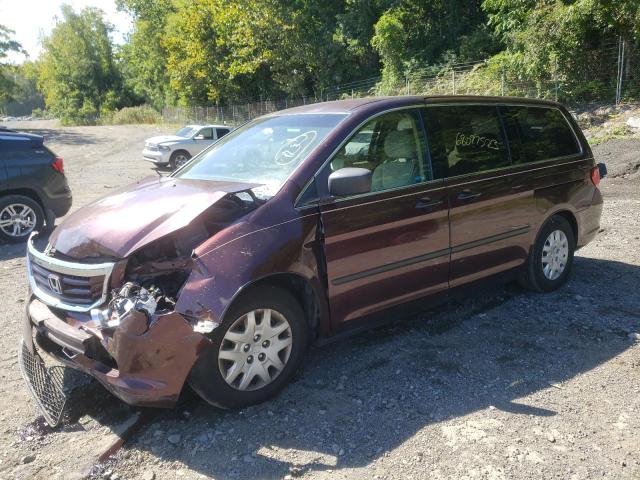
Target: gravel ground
(509, 384)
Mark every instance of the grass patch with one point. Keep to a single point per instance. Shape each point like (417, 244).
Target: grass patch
(142, 114)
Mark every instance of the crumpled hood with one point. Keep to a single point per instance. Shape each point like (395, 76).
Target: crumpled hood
(119, 224)
(165, 139)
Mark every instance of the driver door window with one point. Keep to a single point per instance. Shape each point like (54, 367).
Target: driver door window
(393, 147)
(206, 134)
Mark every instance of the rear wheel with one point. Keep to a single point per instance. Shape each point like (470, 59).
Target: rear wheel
(19, 216)
(551, 258)
(178, 159)
(255, 352)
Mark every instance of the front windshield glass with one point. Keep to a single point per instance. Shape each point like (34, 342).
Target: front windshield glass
(264, 151)
(186, 132)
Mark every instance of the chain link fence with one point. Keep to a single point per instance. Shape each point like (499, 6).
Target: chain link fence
(610, 74)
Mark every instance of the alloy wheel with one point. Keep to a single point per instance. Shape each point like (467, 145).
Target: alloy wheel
(255, 349)
(17, 220)
(181, 160)
(555, 254)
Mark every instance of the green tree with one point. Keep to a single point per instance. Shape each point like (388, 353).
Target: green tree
(414, 35)
(144, 57)
(554, 41)
(78, 75)
(8, 85)
(221, 51)
(355, 27)
(390, 41)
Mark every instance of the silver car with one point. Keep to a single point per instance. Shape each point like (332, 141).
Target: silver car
(176, 150)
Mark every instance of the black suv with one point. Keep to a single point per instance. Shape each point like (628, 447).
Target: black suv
(33, 188)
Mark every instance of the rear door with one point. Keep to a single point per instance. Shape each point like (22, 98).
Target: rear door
(388, 246)
(221, 132)
(489, 224)
(27, 162)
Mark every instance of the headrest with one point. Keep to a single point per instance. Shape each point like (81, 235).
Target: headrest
(400, 144)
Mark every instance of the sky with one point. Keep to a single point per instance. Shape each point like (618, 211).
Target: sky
(31, 19)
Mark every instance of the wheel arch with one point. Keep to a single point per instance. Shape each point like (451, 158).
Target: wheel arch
(181, 150)
(303, 290)
(26, 192)
(573, 221)
(569, 216)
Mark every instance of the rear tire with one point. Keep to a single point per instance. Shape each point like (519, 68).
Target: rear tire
(212, 376)
(551, 258)
(19, 216)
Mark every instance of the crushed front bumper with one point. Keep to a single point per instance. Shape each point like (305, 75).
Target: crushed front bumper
(146, 368)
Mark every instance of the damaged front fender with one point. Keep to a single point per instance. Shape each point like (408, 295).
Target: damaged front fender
(157, 362)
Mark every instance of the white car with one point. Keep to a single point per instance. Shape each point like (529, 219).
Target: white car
(176, 150)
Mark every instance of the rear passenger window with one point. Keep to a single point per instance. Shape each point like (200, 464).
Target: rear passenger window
(22, 150)
(392, 146)
(465, 139)
(538, 133)
(221, 132)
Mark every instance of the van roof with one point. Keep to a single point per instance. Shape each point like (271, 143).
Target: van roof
(350, 105)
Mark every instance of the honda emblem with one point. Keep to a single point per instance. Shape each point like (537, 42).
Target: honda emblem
(54, 283)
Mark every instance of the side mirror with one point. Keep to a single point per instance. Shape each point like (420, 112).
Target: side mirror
(199, 137)
(349, 181)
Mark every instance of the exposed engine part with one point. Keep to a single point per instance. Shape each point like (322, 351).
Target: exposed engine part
(132, 295)
(129, 297)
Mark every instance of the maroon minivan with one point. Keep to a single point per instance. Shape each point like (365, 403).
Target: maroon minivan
(300, 225)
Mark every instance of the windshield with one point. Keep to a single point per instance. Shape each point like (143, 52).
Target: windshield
(264, 151)
(186, 132)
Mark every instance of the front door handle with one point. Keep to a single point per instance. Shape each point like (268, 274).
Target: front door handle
(427, 204)
(468, 195)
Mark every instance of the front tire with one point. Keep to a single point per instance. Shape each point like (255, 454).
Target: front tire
(178, 159)
(19, 216)
(256, 351)
(551, 258)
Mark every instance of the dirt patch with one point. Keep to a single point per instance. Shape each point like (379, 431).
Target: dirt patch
(622, 157)
(506, 385)
(604, 122)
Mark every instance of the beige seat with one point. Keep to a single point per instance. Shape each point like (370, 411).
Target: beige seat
(401, 166)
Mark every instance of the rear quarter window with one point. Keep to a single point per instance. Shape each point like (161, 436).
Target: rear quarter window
(538, 133)
(23, 149)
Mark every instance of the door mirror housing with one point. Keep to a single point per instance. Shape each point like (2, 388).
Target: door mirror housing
(349, 181)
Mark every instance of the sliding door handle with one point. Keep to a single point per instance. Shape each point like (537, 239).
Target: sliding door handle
(428, 204)
(468, 195)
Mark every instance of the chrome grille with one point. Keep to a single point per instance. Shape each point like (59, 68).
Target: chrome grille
(45, 384)
(77, 287)
(72, 289)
